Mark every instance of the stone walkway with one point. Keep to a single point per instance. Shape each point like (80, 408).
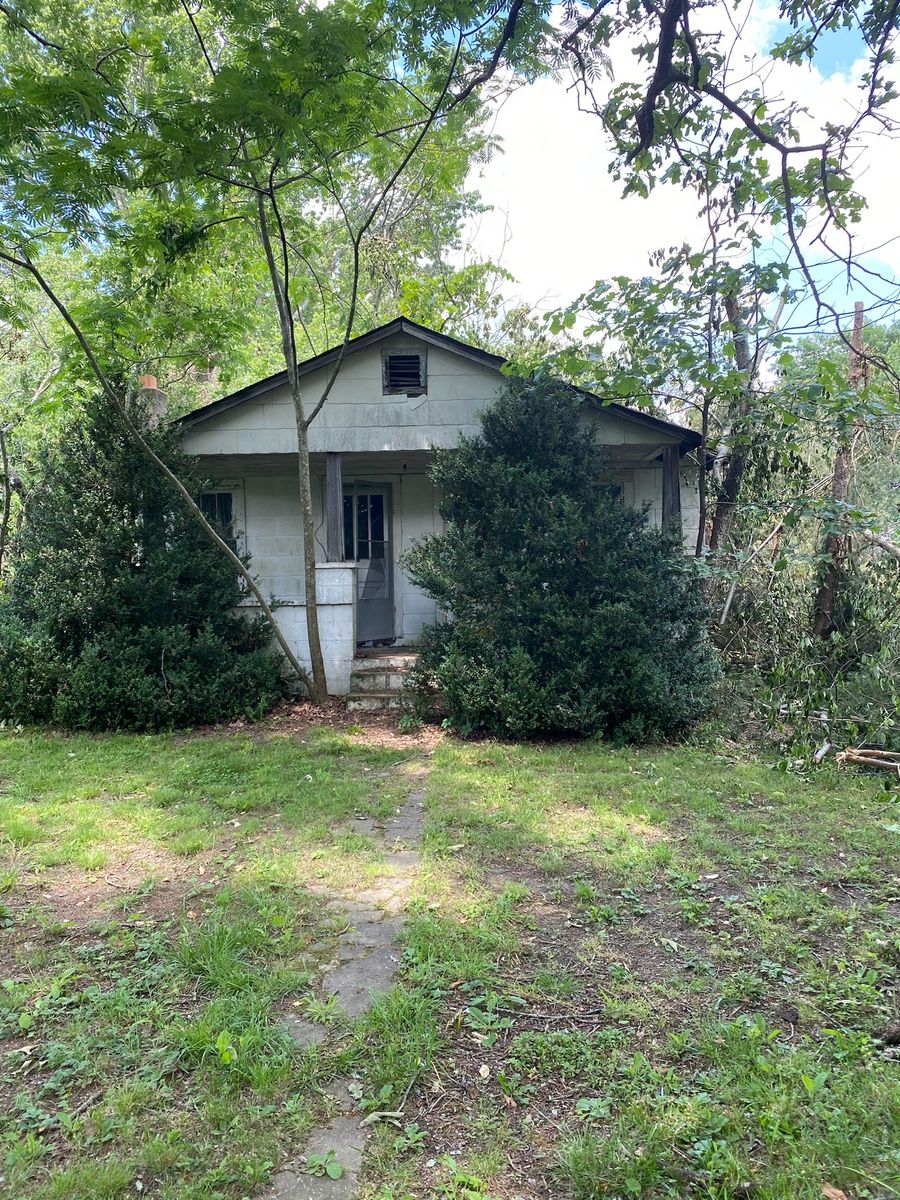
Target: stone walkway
(364, 966)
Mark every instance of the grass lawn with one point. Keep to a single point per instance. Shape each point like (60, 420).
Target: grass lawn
(655, 972)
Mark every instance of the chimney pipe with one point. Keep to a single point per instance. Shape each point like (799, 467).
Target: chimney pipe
(154, 401)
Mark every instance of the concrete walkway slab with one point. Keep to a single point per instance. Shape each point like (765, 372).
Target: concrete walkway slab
(357, 983)
(342, 1135)
(364, 966)
(303, 1032)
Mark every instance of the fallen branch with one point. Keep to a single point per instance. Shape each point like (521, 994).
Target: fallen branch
(878, 539)
(888, 760)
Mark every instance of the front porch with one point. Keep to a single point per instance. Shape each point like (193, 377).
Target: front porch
(369, 508)
(379, 505)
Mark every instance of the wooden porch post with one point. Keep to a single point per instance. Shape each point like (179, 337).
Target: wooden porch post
(671, 487)
(334, 509)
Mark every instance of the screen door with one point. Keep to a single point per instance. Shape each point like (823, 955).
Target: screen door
(367, 525)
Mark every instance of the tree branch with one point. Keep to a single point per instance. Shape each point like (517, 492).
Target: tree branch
(31, 268)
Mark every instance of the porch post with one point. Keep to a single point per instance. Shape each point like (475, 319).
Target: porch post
(334, 509)
(671, 487)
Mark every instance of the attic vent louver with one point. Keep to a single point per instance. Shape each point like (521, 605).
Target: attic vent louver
(404, 373)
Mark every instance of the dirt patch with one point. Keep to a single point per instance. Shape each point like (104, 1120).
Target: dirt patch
(155, 882)
(297, 717)
(631, 963)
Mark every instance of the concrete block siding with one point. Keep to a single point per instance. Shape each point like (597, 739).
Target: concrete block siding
(335, 592)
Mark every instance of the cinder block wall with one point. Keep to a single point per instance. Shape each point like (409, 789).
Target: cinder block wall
(335, 590)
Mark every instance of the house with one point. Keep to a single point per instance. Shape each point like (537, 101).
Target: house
(402, 389)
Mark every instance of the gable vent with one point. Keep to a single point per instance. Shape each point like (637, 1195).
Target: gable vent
(404, 373)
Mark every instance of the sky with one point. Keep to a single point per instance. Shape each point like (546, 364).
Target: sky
(559, 221)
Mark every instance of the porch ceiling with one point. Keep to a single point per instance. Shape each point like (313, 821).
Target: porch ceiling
(388, 462)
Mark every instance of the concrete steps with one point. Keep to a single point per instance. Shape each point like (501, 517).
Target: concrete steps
(377, 678)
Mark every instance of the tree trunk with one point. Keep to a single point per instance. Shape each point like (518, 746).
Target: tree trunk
(7, 497)
(702, 481)
(318, 692)
(316, 683)
(837, 545)
(727, 499)
(836, 548)
(736, 456)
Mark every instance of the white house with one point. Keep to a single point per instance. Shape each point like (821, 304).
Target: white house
(402, 390)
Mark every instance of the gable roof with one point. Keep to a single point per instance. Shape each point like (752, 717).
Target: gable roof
(688, 438)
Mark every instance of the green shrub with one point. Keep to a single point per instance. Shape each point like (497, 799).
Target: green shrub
(30, 671)
(120, 613)
(566, 613)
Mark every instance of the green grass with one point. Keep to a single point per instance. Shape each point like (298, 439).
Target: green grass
(155, 924)
(77, 800)
(656, 973)
(662, 973)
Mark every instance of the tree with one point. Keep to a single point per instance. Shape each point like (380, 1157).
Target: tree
(836, 543)
(706, 113)
(565, 613)
(776, 197)
(120, 612)
(295, 112)
(690, 344)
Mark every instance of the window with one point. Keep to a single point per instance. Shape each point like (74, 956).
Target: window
(364, 526)
(404, 373)
(218, 508)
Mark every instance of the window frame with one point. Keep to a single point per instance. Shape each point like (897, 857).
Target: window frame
(234, 488)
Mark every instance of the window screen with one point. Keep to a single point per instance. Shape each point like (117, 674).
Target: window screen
(404, 373)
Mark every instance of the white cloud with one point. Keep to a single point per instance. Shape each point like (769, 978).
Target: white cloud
(560, 221)
(566, 221)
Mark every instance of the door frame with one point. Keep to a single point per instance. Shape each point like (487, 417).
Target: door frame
(353, 486)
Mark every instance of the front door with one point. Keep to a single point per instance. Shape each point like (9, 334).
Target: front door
(367, 533)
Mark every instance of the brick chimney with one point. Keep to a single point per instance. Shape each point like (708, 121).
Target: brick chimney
(153, 401)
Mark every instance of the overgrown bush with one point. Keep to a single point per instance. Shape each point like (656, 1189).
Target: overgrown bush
(119, 614)
(801, 688)
(566, 613)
